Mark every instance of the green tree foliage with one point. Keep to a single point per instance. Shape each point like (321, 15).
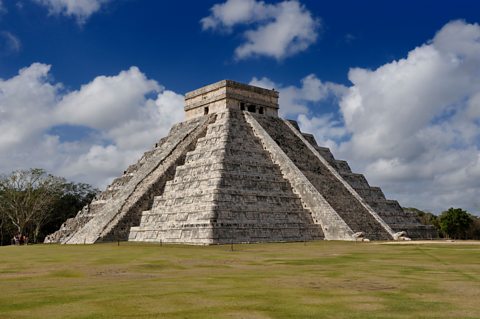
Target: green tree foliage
(469, 232)
(33, 202)
(455, 223)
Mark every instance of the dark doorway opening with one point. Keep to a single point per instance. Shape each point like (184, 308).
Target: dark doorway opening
(205, 110)
(260, 110)
(251, 108)
(242, 106)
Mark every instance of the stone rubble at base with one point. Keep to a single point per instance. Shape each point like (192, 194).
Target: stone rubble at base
(234, 172)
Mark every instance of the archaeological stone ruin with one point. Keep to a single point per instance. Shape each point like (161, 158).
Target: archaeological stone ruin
(234, 172)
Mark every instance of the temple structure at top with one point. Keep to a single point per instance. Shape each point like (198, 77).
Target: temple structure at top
(231, 95)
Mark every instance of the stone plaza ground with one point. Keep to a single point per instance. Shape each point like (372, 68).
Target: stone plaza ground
(319, 279)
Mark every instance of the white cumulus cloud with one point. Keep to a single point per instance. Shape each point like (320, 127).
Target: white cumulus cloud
(274, 30)
(122, 116)
(81, 10)
(412, 125)
(107, 100)
(415, 122)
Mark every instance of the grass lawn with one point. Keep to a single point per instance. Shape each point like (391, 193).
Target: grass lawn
(286, 280)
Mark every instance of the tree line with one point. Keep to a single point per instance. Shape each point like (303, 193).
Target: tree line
(34, 203)
(454, 223)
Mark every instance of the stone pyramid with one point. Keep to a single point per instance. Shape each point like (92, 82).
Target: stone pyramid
(234, 172)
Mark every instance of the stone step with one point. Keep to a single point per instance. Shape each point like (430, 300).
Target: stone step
(261, 172)
(227, 235)
(310, 138)
(217, 152)
(325, 153)
(253, 217)
(342, 167)
(239, 141)
(371, 194)
(275, 196)
(239, 182)
(357, 181)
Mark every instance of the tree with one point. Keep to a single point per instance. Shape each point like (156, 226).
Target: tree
(455, 222)
(27, 198)
(35, 203)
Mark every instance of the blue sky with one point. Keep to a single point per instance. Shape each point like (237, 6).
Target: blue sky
(165, 40)
(88, 85)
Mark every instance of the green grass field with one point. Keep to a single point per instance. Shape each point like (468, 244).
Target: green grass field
(317, 280)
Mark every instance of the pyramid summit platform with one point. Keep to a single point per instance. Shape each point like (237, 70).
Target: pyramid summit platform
(234, 172)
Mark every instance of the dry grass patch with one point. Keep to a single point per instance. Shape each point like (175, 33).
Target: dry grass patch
(285, 280)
